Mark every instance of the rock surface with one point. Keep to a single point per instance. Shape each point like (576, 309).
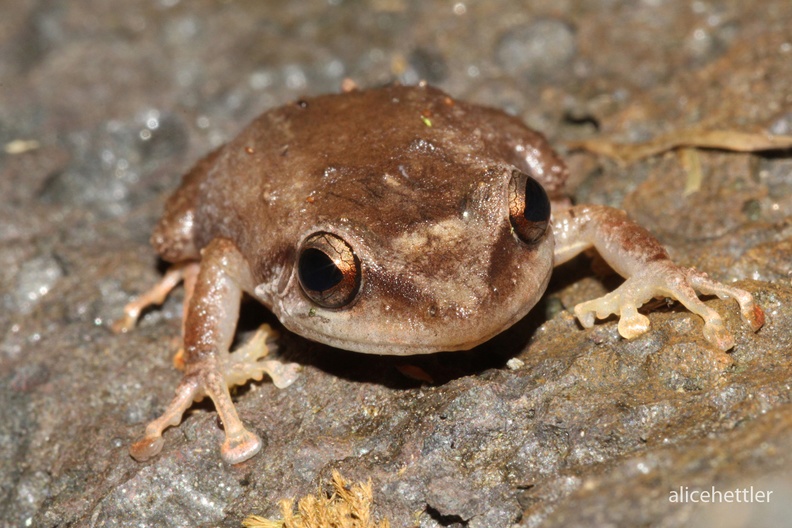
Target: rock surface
(105, 104)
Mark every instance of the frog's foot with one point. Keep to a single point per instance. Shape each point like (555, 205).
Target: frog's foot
(155, 296)
(243, 364)
(202, 378)
(664, 278)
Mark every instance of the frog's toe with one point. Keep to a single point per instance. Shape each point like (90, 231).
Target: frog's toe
(754, 316)
(586, 317)
(621, 302)
(587, 312)
(179, 359)
(244, 363)
(714, 330)
(147, 447)
(124, 324)
(717, 335)
(257, 347)
(282, 374)
(633, 324)
(240, 447)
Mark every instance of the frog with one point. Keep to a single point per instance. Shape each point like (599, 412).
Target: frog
(394, 220)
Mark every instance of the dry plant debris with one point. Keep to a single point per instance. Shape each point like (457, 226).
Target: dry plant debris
(731, 140)
(349, 506)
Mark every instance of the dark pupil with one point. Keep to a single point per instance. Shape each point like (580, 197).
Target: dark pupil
(317, 270)
(537, 205)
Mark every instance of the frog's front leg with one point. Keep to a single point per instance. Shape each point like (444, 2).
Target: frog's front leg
(637, 256)
(209, 370)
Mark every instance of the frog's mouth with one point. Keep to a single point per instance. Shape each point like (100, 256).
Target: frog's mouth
(416, 343)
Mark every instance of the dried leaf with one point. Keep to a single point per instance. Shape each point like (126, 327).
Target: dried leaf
(732, 140)
(416, 373)
(20, 146)
(690, 161)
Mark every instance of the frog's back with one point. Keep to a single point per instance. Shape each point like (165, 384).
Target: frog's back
(384, 158)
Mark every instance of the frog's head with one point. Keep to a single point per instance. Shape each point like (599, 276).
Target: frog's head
(419, 271)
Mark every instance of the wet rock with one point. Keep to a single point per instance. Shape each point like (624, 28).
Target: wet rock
(429, 65)
(36, 279)
(105, 105)
(540, 48)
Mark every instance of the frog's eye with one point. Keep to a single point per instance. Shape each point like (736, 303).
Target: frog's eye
(328, 270)
(529, 208)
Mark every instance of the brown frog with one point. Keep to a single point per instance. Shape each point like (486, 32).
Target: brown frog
(387, 221)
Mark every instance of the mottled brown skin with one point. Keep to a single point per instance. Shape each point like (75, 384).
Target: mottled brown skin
(418, 185)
